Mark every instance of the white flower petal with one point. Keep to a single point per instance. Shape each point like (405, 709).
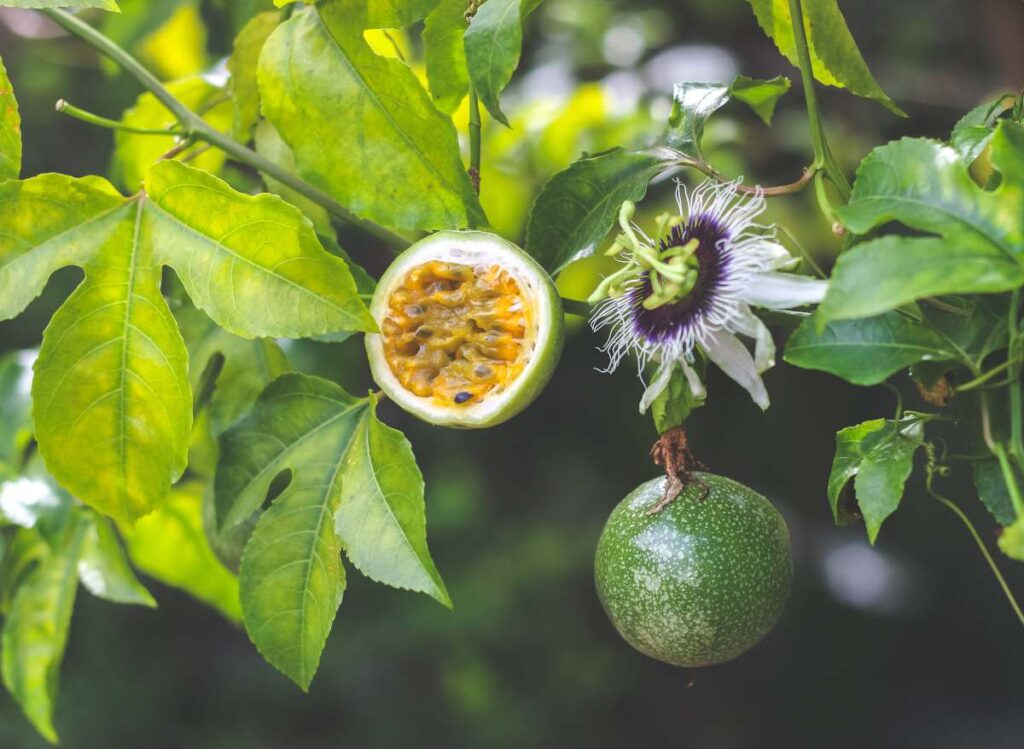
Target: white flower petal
(748, 324)
(657, 386)
(777, 257)
(693, 379)
(784, 290)
(732, 357)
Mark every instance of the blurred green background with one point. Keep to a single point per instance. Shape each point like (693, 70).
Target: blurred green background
(909, 644)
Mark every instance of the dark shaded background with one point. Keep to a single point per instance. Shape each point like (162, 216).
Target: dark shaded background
(909, 644)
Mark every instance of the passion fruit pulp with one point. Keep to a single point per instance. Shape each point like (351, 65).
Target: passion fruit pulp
(471, 329)
(700, 581)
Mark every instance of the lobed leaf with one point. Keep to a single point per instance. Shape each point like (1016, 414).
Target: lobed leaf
(361, 126)
(835, 58)
(351, 481)
(111, 401)
(924, 185)
(575, 209)
(866, 351)
(10, 129)
(252, 263)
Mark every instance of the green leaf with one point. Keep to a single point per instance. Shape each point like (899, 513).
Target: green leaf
(575, 209)
(291, 575)
(341, 463)
(988, 480)
(134, 154)
(253, 264)
(692, 105)
(248, 365)
(49, 221)
(381, 517)
(36, 631)
(10, 129)
(242, 66)
(1011, 540)
(835, 58)
(879, 456)
(361, 126)
(110, 5)
(973, 132)
(111, 400)
(675, 403)
(170, 546)
(494, 42)
(866, 351)
(975, 326)
(103, 567)
(923, 184)
(270, 146)
(760, 95)
(445, 54)
(886, 273)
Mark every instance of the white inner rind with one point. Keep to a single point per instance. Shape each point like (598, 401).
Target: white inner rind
(476, 248)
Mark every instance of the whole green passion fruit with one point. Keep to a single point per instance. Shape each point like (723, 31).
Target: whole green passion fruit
(702, 580)
(471, 328)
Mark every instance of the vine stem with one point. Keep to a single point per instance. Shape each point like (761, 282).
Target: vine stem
(823, 158)
(769, 192)
(65, 107)
(955, 509)
(1013, 355)
(198, 129)
(575, 307)
(474, 138)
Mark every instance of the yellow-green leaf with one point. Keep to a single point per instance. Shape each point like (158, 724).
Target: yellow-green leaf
(111, 401)
(835, 57)
(361, 126)
(10, 129)
(171, 547)
(445, 54)
(252, 263)
(242, 66)
(35, 632)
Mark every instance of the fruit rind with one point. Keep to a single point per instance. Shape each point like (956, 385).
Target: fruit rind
(471, 248)
(700, 582)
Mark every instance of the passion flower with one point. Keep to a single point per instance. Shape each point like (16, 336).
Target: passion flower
(693, 288)
(471, 329)
(700, 581)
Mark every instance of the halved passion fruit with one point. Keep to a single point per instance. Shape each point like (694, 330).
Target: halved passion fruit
(471, 329)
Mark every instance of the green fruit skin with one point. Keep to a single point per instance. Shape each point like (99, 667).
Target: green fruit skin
(531, 384)
(701, 581)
